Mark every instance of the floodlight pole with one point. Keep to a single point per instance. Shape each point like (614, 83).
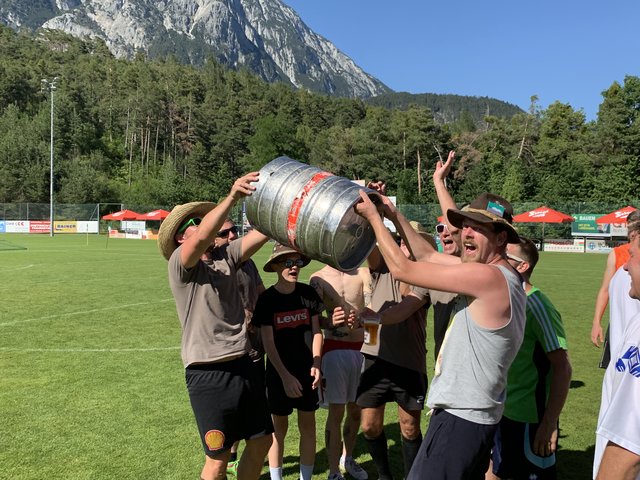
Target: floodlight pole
(51, 86)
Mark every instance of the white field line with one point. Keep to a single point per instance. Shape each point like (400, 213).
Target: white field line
(83, 312)
(77, 281)
(88, 350)
(13, 269)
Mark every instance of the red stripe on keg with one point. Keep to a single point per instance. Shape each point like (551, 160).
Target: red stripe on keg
(296, 206)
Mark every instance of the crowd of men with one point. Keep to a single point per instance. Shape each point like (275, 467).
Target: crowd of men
(354, 341)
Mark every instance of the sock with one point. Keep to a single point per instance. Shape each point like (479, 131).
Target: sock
(306, 472)
(233, 457)
(379, 455)
(275, 473)
(409, 451)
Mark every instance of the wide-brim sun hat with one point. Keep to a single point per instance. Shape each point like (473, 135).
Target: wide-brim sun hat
(178, 216)
(279, 251)
(488, 208)
(418, 228)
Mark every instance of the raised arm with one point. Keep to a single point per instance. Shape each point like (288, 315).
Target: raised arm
(195, 245)
(439, 182)
(484, 282)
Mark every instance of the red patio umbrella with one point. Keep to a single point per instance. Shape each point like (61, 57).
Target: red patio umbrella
(543, 215)
(619, 216)
(154, 215)
(122, 215)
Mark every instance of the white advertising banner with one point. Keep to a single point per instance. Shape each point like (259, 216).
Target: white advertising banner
(132, 225)
(87, 226)
(17, 226)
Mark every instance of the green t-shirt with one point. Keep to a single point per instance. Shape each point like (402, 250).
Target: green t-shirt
(530, 373)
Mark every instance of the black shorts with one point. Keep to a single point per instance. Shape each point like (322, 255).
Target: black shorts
(228, 402)
(383, 382)
(453, 448)
(280, 404)
(513, 455)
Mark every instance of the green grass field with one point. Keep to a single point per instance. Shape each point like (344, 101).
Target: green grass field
(92, 384)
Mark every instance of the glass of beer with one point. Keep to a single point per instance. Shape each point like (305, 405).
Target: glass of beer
(371, 322)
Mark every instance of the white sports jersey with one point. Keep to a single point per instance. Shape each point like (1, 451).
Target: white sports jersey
(619, 419)
(621, 307)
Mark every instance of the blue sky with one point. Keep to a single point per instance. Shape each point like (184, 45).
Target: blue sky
(562, 50)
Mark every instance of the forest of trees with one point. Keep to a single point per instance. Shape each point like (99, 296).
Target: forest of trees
(160, 133)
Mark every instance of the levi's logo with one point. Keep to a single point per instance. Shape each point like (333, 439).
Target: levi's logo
(292, 319)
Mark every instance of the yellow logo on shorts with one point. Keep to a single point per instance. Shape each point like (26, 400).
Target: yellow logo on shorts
(214, 439)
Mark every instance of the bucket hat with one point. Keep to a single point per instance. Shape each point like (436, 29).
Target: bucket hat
(279, 251)
(418, 228)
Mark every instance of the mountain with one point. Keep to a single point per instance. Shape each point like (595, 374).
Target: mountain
(265, 36)
(448, 108)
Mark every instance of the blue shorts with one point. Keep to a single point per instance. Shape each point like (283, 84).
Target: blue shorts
(513, 455)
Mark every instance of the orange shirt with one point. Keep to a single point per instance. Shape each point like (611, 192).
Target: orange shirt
(622, 255)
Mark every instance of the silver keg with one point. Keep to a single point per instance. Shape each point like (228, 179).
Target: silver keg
(311, 210)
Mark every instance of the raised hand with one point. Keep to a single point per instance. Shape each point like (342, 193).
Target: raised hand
(242, 186)
(366, 208)
(443, 169)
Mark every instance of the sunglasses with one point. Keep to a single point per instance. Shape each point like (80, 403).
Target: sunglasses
(290, 262)
(225, 233)
(192, 222)
(441, 227)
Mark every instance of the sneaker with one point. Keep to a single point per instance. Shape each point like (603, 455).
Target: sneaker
(336, 476)
(232, 468)
(350, 466)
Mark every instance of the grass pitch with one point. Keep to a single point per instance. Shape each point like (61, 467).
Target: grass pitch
(93, 385)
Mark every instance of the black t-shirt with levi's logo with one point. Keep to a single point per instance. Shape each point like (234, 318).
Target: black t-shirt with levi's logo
(290, 316)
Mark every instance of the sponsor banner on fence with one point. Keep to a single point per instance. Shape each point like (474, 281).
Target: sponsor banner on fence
(3, 226)
(39, 226)
(17, 226)
(618, 229)
(87, 226)
(593, 245)
(132, 225)
(586, 226)
(563, 247)
(67, 226)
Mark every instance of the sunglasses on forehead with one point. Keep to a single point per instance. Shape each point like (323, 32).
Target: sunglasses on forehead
(515, 258)
(192, 222)
(441, 227)
(225, 233)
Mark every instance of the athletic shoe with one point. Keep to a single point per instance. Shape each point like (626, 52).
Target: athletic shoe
(232, 468)
(336, 476)
(352, 468)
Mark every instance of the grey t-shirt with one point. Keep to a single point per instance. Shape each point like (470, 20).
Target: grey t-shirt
(471, 371)
(209, 306)
(248, 282)
(402, 344)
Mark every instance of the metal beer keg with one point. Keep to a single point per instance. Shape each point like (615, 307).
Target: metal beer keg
(311, 210)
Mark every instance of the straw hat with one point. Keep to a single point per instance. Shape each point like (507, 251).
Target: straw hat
(417, 226)
(488, 208)
(280, 250)
(178, 216)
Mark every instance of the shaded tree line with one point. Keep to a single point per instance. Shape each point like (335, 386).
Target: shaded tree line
(161, 133)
